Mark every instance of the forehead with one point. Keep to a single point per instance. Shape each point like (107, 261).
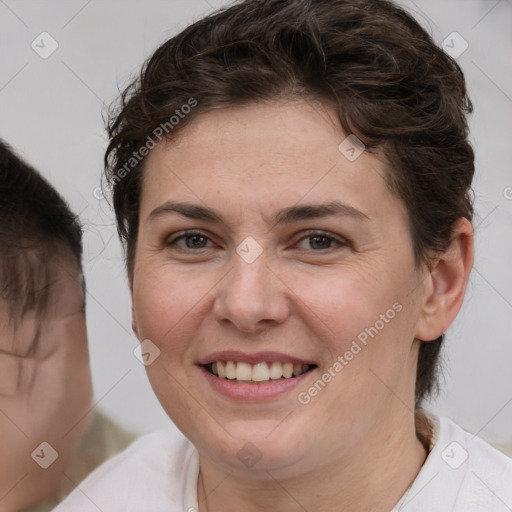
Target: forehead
(260, 154)
(274, 131)
(45, 283)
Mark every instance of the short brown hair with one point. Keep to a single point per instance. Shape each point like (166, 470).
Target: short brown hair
(391, 85)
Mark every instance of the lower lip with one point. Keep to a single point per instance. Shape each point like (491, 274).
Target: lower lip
(253, 392)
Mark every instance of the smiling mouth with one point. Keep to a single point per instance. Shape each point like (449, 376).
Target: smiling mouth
(239, 371)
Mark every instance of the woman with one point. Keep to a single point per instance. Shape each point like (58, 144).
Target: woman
(292, 183)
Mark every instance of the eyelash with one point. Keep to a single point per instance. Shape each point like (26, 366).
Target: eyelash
(310, 234)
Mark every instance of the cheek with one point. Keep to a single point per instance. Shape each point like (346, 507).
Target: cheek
(10, 367)
(13, 441)
(343, 301)
(169, 304)
(62, 388)
(366, 319)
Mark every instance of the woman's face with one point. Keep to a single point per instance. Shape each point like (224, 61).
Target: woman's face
(265, 243)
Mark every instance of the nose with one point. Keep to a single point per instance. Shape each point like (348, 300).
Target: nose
(251, 297)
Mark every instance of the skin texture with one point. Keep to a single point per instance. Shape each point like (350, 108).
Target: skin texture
(353, 446)
(45, 390)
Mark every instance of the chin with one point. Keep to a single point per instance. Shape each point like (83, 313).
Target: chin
(252, 448)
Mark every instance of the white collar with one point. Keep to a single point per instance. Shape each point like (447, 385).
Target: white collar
(190, 502)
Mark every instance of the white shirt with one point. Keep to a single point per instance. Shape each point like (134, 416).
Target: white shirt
(159, 471)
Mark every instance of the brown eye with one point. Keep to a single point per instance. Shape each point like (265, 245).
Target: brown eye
(319, 241)
(191, 239)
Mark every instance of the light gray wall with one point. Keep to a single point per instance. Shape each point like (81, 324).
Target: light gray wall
(51, 112)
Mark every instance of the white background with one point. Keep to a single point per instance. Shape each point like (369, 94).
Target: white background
(51, 112)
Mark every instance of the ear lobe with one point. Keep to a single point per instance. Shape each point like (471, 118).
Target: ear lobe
(134, 323)
(447, 283)
(135, 328)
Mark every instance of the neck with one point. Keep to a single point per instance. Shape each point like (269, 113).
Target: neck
(372, 478)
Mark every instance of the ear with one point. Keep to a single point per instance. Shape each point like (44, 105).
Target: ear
(446, 283)
(135, 327)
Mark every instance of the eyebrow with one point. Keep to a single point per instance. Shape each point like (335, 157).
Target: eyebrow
(285, 216)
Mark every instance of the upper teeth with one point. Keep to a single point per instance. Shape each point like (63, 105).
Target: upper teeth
(258, 372)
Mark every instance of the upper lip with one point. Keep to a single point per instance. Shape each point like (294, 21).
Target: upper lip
(253, 358)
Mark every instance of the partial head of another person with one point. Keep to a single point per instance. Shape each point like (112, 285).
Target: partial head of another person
(45, 381)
